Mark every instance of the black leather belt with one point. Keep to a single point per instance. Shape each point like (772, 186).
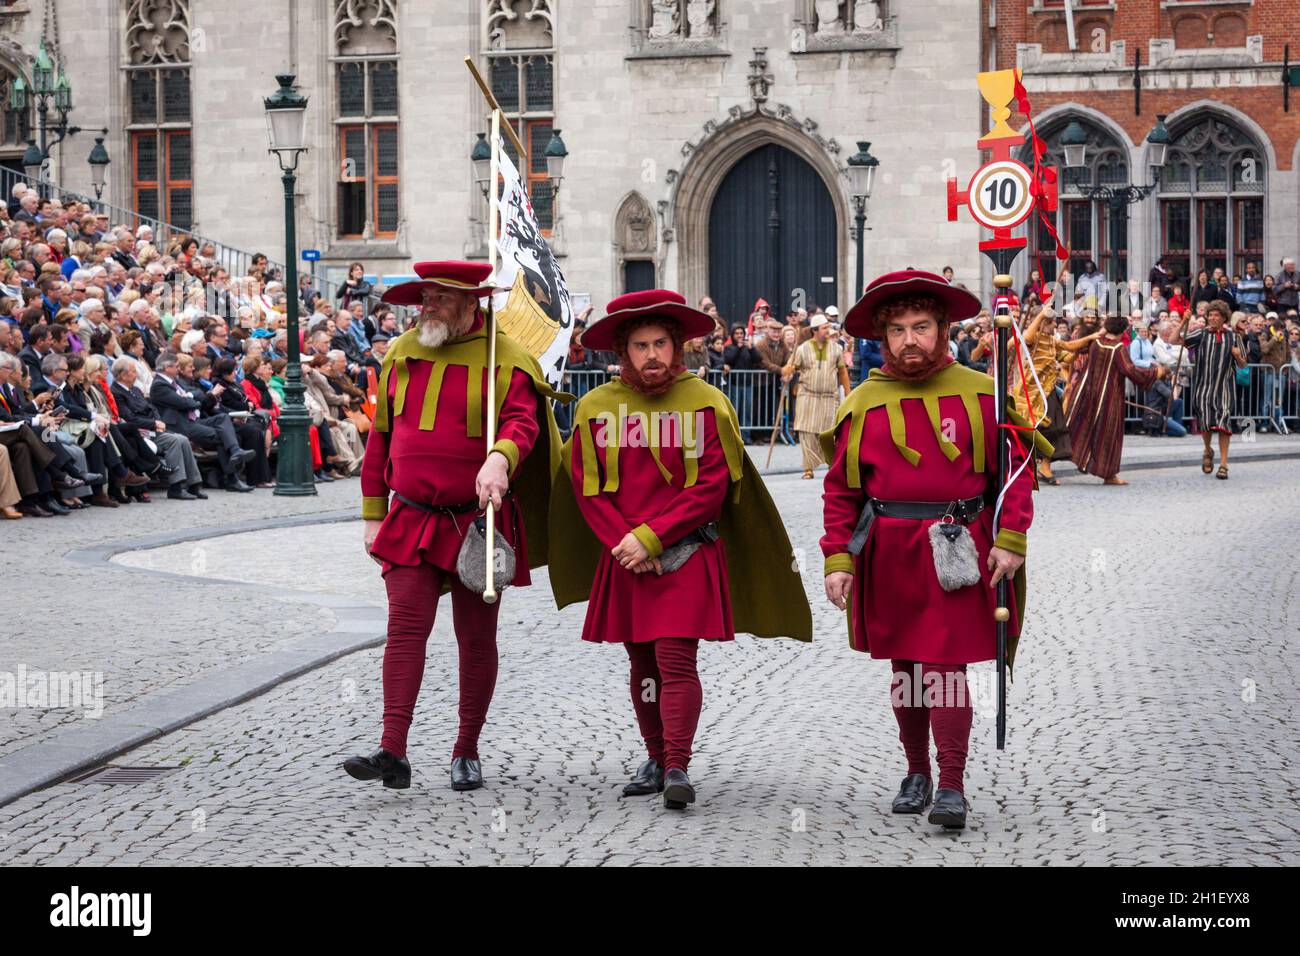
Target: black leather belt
(460, 509)
(704, 534)
(962, 509)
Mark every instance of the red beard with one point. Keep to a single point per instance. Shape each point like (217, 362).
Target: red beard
(660, 383)
(916, 372)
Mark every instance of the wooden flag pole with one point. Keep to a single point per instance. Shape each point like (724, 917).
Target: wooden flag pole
(496, 108)
(490, 593)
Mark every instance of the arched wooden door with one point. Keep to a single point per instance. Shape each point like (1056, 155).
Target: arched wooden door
(772, 231)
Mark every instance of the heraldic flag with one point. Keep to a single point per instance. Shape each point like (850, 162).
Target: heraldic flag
(536, 312)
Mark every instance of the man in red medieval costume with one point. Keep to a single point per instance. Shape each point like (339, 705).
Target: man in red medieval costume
(910, 547)
(660, 520)
(1096, 417)
(427, 453)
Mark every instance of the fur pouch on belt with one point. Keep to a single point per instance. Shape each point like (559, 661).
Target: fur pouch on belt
(471, 563)
(955, 559)
(674, 557)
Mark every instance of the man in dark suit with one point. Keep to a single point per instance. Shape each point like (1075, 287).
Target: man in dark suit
(141, 420)
(38, 346)
(201, 420)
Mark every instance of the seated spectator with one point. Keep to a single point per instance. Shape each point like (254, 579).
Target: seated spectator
(200, 418)
(141, 420)
(250, 428)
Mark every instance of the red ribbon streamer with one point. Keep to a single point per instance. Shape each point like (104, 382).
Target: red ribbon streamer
(1041, 174)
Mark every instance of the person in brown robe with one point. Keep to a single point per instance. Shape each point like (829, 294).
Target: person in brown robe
(1096, 415)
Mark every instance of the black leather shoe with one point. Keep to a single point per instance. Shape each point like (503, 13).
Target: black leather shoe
(236, 484)
(915, 794)
(197, 491)
(394, 771)
(320, 476)
(677, 790)
(68, 483)
(649, 779)
(53, 507)
(466, 774)
(949, 809)
(177, 493)
(92, 478)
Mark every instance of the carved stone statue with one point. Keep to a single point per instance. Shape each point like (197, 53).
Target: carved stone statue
(866, 17)
(637, 237)
(699, 13)
(664, 23)
(828, 17)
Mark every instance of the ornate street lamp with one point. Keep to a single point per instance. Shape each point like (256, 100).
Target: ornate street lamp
(1075, 143)
(861, 172)
(1158, 141)
(286, 126)
(98, 166)
(1117, 198)
(555, 156)
(49, 91)
(33, 161)
(481, 159)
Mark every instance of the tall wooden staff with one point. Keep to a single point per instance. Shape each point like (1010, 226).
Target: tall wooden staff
(1001, 195)
(776, 425)
(490, 593)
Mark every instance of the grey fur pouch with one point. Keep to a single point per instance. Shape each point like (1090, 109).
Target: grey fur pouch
(471, 562)
(674, 557)
(955, 560)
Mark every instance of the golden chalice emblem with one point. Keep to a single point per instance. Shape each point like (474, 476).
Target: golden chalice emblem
(998, 87)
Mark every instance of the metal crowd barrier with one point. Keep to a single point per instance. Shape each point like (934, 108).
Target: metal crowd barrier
(754, 393)
(1268, 397)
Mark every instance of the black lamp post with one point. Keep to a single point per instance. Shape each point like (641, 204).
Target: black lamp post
(1117, 198)
(98, 167)
(286, 121)
(51, 92)
(556, 153)
(862, 177)
(481, 158)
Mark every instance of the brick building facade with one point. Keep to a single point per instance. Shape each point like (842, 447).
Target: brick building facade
(1228, 191)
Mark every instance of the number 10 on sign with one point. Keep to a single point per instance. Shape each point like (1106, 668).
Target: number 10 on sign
(999, 196)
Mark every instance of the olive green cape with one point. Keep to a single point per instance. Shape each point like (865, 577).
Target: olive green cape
(880, 390)
(531, 479)
(767, 593)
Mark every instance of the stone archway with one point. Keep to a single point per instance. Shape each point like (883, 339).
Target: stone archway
(708, 166)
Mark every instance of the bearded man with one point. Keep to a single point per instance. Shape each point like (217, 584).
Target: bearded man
(661, 521)
(910, 545)
(427, 450)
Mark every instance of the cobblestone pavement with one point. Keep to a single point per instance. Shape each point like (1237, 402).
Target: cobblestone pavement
(1152, 719)
(142, 636)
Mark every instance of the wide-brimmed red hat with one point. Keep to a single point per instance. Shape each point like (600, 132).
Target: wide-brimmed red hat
(643, 305)
(861, 319)
(472, 277)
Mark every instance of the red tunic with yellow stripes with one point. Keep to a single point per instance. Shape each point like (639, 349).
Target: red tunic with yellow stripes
(898, 609)
(693, 601)
(439, 467)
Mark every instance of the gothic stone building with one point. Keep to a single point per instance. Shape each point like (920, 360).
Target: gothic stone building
(707, 138)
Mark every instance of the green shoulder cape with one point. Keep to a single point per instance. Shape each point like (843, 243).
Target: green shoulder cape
(767, 594)
(880, 390)
(531, 480)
